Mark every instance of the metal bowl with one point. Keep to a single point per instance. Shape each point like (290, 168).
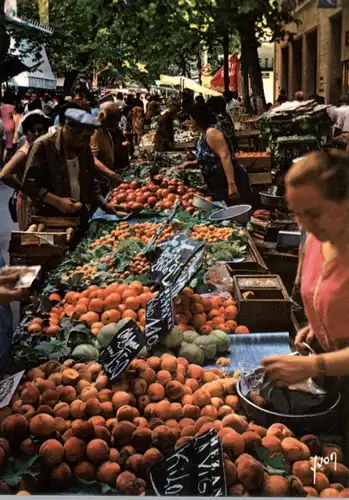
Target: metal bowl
(322, 422)
(272, 200)
(239, 213)
(203, 204)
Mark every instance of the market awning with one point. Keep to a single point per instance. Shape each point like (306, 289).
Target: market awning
(40, 75)
(187, 83)
(12, 66)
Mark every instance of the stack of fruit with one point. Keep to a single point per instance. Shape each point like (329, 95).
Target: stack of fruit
(79, 428)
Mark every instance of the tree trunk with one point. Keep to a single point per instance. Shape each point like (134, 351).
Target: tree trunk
(245, 82)
(199, 65)
(250, 49)
(226, 61)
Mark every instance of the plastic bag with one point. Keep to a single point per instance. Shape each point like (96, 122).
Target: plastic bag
(220, 277)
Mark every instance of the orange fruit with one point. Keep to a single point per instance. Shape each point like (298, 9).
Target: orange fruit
(121, 288)
(37, 320)
(146, 289)
(241, 329)
(140, 313)
(218, 320)
(122, 308)
(112, 301)
(216, 302)
(182, 318)
(111, 316)
(57, 310)
(132, 303)
(96, 328)
(81, 309)
(188, 291)
(35, 328)
(131, 292)
(84, 300)
(207, 305)
(197, 308)
(231, 312)
(130, 314)
(51, 331)
(54, 297)
(205, 330)
(69, 310)
(213, 314)
(144, 298)
(232, 325)
(96, 294)
(224, 327)
(96, 305)
(90, 317)
(229, 302)
(197, 298)
(198, 321)
(72, 298)
(137, 285)
(54, 320)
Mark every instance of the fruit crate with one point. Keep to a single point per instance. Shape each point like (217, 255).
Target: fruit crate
(263, 302)
(45, 246)
(252, 263)
(255, 162)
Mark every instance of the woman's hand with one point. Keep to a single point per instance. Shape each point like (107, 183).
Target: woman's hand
(182, 166)
(67, 206)
(306, 334)
(233, 191)
(289, 370)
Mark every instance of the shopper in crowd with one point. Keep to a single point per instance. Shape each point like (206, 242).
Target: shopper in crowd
(232, 100)
(79, 98)
(137, 116)
(299, 96)
(120, 100)
(60, 171)
(103, 146)
(34, 125)
(226, 179)
(138, 101)
(217, 106)
(7, 109)
(127, 112)
(34, 102)
(17, 119)
(153, 108)
(47, 104)
(164, 137)
(317, 192)
(2, 141)
(199, 99)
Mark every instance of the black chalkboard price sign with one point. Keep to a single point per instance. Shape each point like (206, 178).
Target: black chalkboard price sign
(159, 316)
(176, 254)
(188, 271)
(196, 469)
(122, 349)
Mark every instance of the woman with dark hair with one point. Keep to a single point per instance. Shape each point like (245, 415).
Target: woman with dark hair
(164, 137)
(226, 179)
(34, 124)
(218, 107)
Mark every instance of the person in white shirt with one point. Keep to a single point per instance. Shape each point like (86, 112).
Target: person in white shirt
(120, 100)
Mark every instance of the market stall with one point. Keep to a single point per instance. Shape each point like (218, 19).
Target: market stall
(139, 362)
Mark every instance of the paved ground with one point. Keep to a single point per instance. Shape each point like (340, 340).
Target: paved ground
(6, 226)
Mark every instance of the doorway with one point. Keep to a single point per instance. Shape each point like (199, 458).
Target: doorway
(284, 69)
(297, 65)
(335, 61)
(311, 64)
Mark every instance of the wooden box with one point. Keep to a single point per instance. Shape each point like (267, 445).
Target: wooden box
(252, 263)
(255, 163)
(44, 248)
(263, 302)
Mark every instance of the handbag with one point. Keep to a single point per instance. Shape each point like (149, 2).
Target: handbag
(12, 206)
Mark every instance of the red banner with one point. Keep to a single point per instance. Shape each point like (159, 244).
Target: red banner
(217, 82)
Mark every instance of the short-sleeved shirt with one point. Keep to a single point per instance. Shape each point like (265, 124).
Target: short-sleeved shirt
(325, 294)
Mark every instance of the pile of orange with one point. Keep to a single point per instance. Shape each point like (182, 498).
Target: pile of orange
(97, 307)
(143, 231)
(210, 234)
(193, 312)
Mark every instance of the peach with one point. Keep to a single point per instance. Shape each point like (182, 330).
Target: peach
(78, 409)
(152, 456)
(272, 443)
(156, 392)
(123, 432)
(62, 425)
(97, 451)
(252, 440)
(250, 474)
(230, 472)
(164, 377)
(126, 412)
(42, 426)
(62, 410)
(85, 471)
(51, 453)
(169, 363)
(174, 390)
(275, 486)
(30, 395)
(108, 472)
(67, 394)
(60, 476)
(294, 450)
(201, 397)
(191, 411)
(235, 422)
(74, 450)
(102, 432)
(88, 393)
(139, 387)
(93, 407)
(233, 444)
(195, 372)
(303, 470)
(163, 439)
(83, 430)
(135, 464)
(70, 376)
(120, 399)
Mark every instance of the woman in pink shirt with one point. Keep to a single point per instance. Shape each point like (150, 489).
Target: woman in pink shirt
(7, 109)
(317, 191)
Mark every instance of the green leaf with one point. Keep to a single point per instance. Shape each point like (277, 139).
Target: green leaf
(16, 467)
(275, 464)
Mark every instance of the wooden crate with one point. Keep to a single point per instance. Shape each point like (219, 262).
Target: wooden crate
(263, 302)
(253, 262)
(255, 163)
(42, 248)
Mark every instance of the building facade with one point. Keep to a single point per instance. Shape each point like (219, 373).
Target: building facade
(315, 58)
